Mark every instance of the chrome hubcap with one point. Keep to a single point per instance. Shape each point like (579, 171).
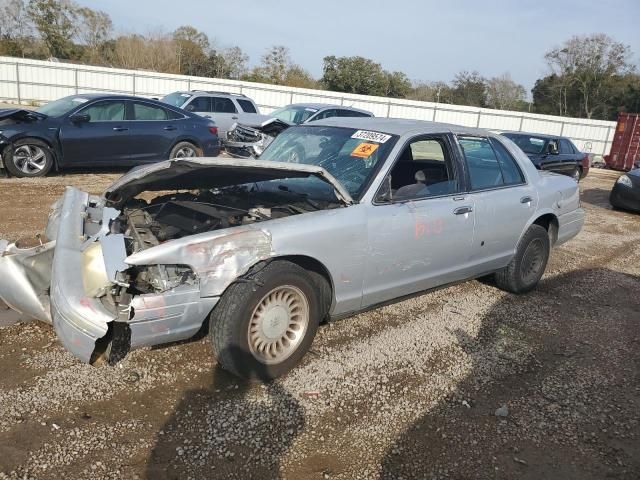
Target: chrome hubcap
(185, 152)
(29, 159)
(278, 324)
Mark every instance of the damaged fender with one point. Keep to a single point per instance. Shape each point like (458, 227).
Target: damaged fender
(30, 272)
(217, 258)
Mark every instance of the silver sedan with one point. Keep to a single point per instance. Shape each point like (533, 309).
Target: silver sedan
(264, 250)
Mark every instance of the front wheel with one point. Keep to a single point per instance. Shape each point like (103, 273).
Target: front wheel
(263, 326)
(28, 158)
(527, 266)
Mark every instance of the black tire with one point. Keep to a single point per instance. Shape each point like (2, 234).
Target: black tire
(28, 158)
(180, 150)
(230, 320)
(527, 266)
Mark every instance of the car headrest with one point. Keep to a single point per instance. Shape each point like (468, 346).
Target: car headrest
(420, 176)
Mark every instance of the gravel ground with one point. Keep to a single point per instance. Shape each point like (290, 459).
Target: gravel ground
(464, 382)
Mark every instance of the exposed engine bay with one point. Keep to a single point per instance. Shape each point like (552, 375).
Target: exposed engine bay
(148, 223)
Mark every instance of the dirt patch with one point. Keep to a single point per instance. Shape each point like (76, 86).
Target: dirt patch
(409, 390)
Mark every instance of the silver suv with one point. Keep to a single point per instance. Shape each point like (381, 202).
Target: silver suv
(225, 108)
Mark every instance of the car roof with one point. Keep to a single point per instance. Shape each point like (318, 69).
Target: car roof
(397, 126)
(114, 96)
(324, 106)
(538, 135)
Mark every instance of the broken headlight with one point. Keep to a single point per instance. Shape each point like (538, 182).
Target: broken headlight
(94, 273)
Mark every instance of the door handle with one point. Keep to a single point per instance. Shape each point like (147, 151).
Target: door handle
(235, 117)
(169, 127)
(526, 199)
(120, 129)
(463, 210)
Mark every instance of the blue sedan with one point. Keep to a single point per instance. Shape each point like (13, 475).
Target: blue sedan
(98, 130)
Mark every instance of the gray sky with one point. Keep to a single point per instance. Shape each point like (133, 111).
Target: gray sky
(427, 40)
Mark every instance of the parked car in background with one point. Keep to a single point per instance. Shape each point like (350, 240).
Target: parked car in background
(625, 193)
(224, 108)
(98, 130)
(298, 113)
(249, 139)
(374, 210)
(552, 153)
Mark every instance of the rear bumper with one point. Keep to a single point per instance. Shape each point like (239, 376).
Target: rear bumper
(569, 225)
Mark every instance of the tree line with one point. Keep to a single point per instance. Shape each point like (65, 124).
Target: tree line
(589, 76)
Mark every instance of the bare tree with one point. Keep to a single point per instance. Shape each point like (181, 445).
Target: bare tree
(589, 62)
(94, 29)
(236, 62)
(503, 93)
(275, 64)
(15, 22)
(157, 52)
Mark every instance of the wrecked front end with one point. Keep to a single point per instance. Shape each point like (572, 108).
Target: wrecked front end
(133, 268)
(245, 141)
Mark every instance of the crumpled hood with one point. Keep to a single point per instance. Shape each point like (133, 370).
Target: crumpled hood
(18, 114)
(203, 172)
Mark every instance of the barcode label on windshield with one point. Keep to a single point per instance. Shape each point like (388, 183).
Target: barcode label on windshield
(371, 136)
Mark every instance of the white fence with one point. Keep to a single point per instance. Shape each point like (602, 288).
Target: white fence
(23, 81)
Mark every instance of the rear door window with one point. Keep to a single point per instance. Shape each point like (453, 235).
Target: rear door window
(223, 105)
(145, 111)
(511, 172)
(482, 163)
(247, 106)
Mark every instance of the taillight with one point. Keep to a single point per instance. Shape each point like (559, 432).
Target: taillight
(213, 130)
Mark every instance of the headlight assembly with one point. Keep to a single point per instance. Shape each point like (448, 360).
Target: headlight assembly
(624, 180)
(94, 273)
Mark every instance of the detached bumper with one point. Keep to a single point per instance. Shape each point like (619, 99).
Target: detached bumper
(78, 320)
(25, 275)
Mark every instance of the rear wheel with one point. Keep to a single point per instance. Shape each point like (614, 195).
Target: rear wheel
(263, 326)
(527, 266)
(28, 158)
(185, 150)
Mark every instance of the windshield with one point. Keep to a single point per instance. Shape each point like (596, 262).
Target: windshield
(176, 99)
(527, 143)
(294, 114)
(62, 106)
(352, 156)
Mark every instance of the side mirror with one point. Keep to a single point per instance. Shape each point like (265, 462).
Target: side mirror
(80, 118)
(190, 108)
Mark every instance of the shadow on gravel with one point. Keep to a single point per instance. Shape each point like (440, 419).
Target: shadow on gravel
(522, 358)
(232, 428)
(598, 197)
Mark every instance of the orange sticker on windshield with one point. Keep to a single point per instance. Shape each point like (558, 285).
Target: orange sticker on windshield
(364, 150)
